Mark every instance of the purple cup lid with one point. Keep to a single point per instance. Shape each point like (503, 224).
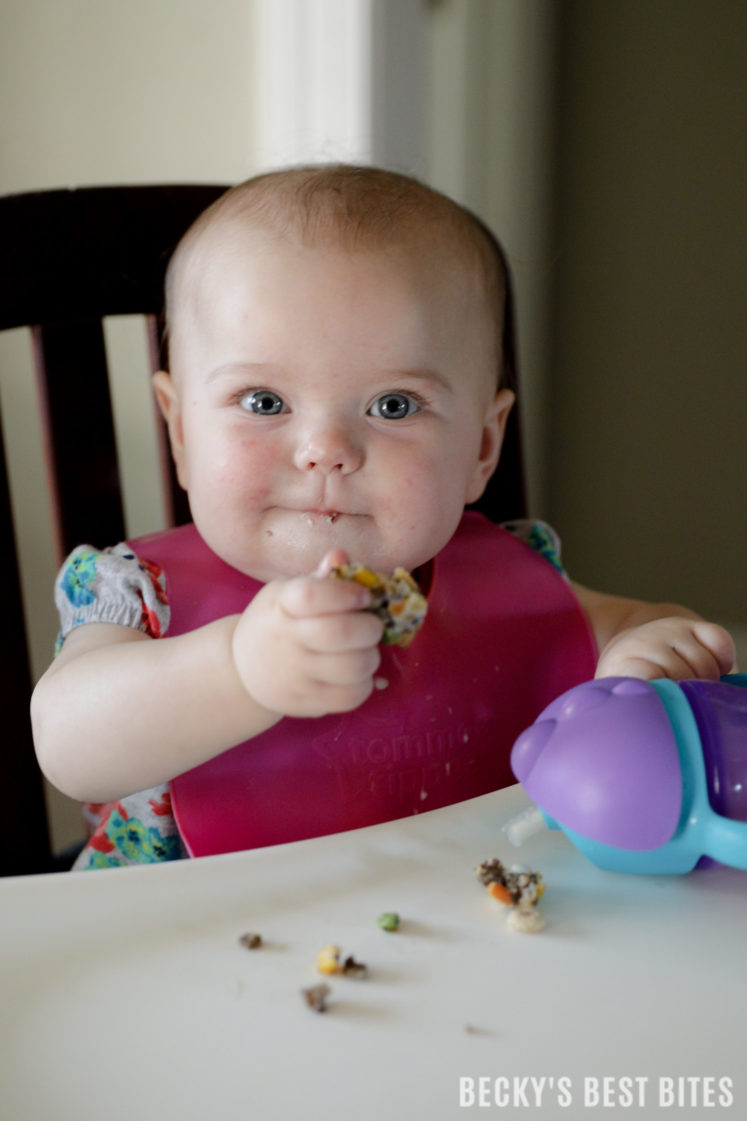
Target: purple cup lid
(602, 760)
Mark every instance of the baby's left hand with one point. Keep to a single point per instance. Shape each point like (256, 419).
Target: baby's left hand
(673, 647)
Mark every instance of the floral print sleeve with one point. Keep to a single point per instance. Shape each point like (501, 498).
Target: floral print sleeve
(116, 586)
(542, 538)
(111, 586)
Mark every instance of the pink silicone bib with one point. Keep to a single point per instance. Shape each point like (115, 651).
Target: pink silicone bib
(503, 637)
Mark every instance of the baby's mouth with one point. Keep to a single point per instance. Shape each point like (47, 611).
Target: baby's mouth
(322, 516)
(330, 516)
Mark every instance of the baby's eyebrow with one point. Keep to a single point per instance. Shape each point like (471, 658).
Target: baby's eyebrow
(234, 369)
(391, 378)
(423, 375)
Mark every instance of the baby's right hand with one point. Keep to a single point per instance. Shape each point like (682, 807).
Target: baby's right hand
(307, 647)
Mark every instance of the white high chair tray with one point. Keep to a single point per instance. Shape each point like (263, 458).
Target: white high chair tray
(125, 993)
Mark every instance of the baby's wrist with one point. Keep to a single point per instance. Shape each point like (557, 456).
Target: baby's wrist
(256, 711)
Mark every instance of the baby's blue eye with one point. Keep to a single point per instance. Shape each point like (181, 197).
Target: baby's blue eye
(262, 402)
(394, 406)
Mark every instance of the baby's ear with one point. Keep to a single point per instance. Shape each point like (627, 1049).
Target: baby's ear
(169, 403)
(494, 429)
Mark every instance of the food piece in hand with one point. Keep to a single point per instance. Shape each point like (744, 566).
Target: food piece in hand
(396, 599)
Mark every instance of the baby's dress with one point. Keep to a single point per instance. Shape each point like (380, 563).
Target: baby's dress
(116, 586)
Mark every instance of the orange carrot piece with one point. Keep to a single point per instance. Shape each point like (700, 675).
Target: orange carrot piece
(501, 893)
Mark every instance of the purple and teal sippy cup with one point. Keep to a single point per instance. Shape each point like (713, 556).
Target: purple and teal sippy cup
(643, 776)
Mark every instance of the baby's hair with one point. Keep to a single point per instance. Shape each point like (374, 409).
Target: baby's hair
(361, 208)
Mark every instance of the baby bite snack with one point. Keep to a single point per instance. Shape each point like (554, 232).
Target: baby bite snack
(396, 599)
(516, 888)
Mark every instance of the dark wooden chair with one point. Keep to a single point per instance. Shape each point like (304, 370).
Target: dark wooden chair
(68, 259)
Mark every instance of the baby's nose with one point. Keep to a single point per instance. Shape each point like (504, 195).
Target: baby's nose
(328, 447)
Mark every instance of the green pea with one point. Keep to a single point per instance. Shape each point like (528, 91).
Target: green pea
(389, 920)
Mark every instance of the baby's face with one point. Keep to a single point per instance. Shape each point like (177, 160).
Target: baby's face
(323, 399)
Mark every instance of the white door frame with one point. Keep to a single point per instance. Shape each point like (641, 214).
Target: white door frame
(341, 79)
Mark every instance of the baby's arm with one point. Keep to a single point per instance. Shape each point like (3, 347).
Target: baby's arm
(118, 711)
(646, 640)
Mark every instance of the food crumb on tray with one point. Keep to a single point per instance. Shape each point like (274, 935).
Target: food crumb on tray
(518, 889)
(328, 961)
(352, 968)
(388, 920)
(251, 940)
(527, 920)
(316, 996)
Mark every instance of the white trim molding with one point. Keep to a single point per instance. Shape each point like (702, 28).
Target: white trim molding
(340, 79)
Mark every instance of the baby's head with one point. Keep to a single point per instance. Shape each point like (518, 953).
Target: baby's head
(356, 209)
(339, 374)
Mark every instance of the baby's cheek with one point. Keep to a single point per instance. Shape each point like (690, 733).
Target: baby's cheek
(423, 521)
(243, 476)
(440, 496)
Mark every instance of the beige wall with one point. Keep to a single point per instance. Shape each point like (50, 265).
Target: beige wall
(648, 432)
(105, 91)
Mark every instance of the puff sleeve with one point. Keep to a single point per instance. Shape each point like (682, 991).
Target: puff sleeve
(111, 586)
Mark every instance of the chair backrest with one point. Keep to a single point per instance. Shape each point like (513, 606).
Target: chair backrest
(69, 258)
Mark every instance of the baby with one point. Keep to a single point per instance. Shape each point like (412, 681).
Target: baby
(336, 393)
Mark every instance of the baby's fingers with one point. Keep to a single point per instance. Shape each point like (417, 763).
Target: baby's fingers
(647, 667)
(310, 596)
(702, 650)
(341, 632)
(673, 648)
(330, 560)
(355, 668)
(718, 644)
